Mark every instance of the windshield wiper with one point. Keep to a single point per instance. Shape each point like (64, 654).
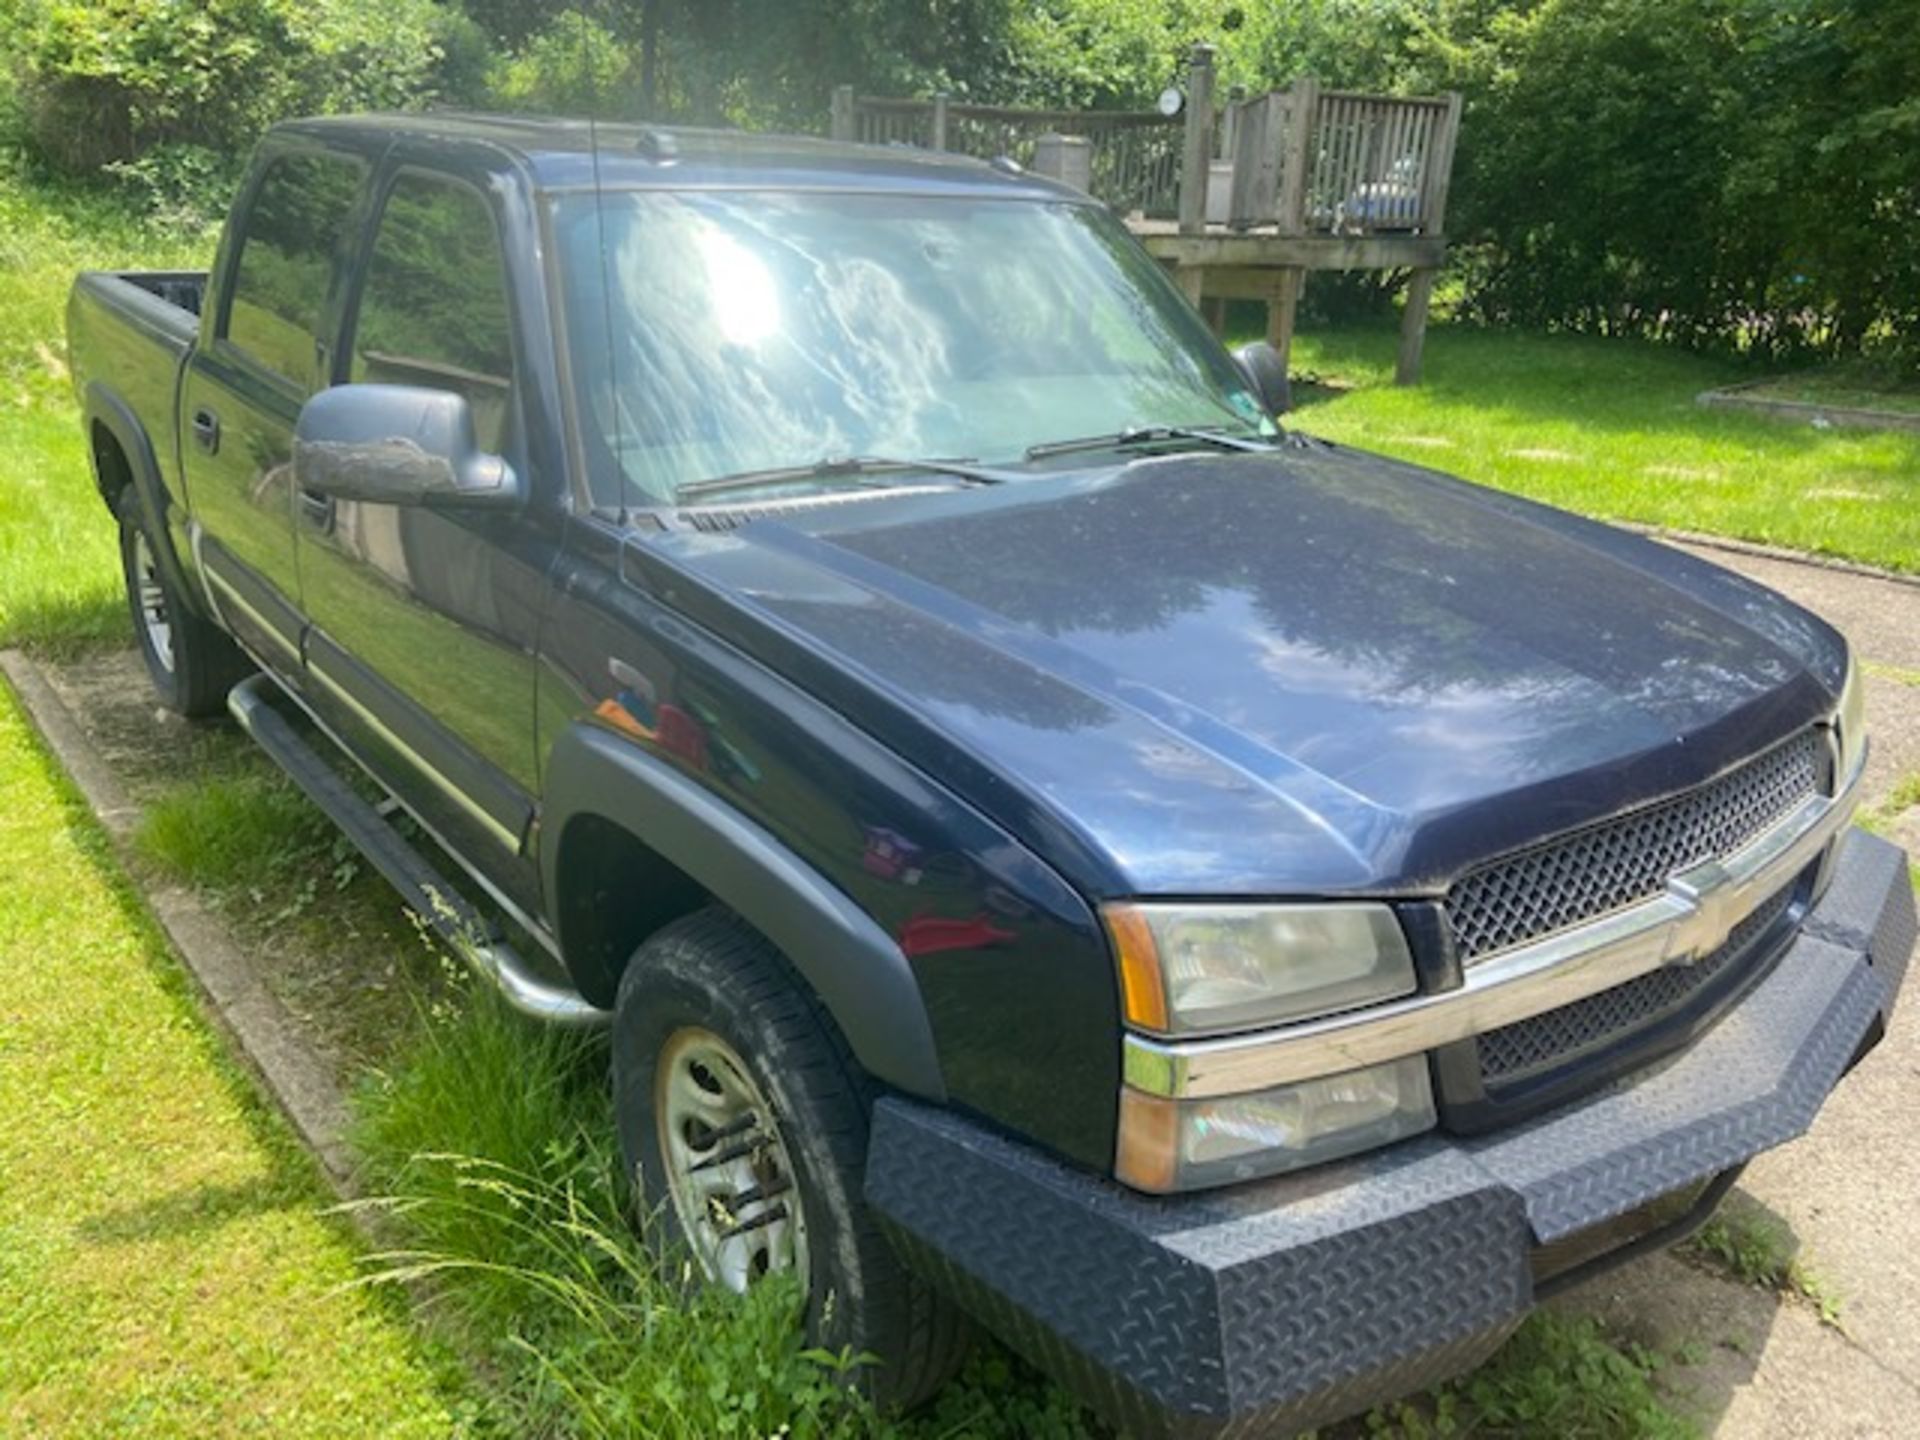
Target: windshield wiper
(1147, 435)
(849, 467)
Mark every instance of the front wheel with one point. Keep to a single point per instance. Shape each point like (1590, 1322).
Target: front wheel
(743, 1125)
(191, 661)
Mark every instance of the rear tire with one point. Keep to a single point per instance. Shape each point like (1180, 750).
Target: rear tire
(192, 663)
(711, 977)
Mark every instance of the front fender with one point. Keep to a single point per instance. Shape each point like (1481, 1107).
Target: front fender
(853, 965)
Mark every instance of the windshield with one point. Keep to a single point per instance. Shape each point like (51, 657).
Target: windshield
(730, 332)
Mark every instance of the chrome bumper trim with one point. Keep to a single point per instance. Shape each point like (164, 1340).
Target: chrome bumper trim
(1692, 918)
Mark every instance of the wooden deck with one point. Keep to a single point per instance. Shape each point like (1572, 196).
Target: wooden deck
(1240, 201)
(1221, 263)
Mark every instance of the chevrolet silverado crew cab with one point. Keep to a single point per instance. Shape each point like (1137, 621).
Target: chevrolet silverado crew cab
(1239, 918)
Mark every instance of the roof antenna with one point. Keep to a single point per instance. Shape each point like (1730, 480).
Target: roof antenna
(616, 411)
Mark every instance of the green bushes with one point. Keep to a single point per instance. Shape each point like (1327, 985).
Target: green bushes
(1730, 174)
(108, 82)
(571, 65)
(1734, 173)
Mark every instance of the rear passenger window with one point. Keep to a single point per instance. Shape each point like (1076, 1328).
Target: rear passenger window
(287, 247)
(433, 311)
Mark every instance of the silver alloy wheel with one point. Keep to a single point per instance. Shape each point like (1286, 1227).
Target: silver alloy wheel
(152, 600)
(728, 1171)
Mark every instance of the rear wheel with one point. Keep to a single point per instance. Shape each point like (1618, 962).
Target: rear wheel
(191, 662)
(743, 1124)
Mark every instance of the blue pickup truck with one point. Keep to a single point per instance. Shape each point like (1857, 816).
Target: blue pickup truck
(1236, 917)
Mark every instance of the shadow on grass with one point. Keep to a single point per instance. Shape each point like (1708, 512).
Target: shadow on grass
(193, 1211)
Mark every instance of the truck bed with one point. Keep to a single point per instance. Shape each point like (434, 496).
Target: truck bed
(129, 330)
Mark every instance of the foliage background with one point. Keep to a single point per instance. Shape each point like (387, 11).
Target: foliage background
(1740, 175)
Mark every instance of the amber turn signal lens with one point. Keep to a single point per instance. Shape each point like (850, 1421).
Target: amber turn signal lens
(1142, 991)
(1147, 1156)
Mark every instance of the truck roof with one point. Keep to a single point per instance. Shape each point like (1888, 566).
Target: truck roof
(559, 153)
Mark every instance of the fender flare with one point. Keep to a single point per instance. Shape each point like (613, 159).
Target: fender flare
(859, 973)
(104, 407)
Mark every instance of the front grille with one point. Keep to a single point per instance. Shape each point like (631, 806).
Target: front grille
(1620, 862)
(1555, 1037)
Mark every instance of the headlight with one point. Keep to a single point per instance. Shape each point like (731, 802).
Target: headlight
(1201, 969)
(1168, 1145)
(1852, 720)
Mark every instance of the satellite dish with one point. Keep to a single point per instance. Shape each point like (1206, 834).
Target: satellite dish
(1170, 101)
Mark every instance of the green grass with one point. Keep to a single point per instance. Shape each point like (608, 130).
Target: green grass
(1561, 1376)
(1611, 429)
(166, 1264)
(59, 571)
(249, 831)
(491, 1146)
(1756, 1247)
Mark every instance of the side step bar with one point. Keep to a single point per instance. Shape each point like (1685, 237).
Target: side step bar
(443, 907)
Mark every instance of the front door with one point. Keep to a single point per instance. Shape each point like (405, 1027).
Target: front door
(423, 622)
(264, 352)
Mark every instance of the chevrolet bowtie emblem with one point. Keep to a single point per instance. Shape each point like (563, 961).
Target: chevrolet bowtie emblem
(1715, 904)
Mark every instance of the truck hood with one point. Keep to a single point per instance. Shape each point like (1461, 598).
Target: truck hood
(1309, 671)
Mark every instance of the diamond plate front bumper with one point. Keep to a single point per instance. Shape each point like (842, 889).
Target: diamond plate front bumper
(1283, 1304)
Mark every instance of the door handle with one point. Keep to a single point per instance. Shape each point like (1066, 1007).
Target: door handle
(206, 430)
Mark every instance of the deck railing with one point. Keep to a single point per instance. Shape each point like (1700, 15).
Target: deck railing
(1135, 153)
(1378, 163)
(1360, 165)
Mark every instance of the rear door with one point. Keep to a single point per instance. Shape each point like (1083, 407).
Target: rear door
(423, 622)
(265, 347)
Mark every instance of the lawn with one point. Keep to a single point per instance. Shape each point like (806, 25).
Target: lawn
(167, 1266)
(1611, 429)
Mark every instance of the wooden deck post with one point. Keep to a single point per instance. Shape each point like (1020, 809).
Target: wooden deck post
(1067, 158)
(1296, 171)
(1196, 157)
(1259, 128)
(1282, 305)
(1413, 327)
(1413, 320)
(1229, 117)
(939, 141)
(840, 113)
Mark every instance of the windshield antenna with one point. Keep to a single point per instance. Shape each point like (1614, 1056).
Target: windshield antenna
(616, 410)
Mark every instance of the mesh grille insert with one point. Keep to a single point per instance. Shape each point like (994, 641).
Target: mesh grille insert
(1620, 862)
(1556, 1036)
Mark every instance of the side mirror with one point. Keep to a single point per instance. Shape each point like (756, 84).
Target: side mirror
(1266, 372)
(398, 445)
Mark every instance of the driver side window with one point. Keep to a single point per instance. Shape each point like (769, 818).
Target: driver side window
(433, 310)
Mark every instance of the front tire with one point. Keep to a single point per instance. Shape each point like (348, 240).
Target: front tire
(192, 663)
(743, 1126)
